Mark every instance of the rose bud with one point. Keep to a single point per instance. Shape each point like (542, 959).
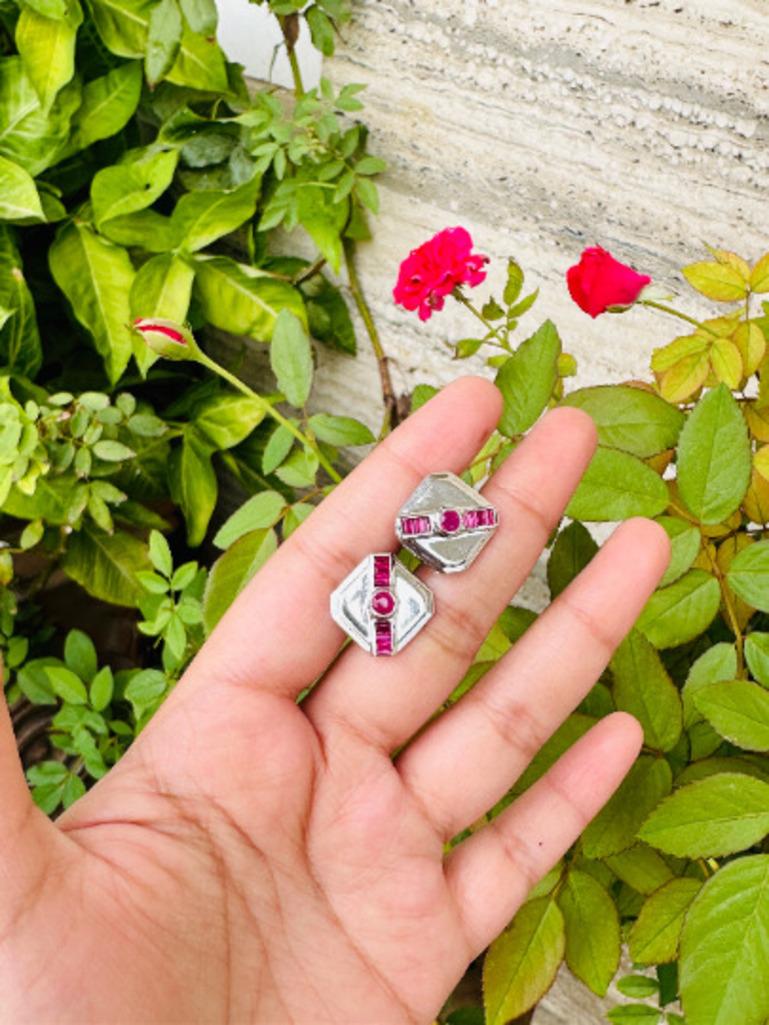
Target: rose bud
(599, 283)
(167, 338)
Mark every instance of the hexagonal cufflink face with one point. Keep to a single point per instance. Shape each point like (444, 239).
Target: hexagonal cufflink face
(381, 606)
(446, 523)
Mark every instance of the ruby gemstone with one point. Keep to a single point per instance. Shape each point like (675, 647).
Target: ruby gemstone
(471, 518)
(382, 603)
(412, 526)
(382, 570)
(451, 521)
(384, 637)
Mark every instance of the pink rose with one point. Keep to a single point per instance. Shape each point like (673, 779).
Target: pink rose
(599, 282)
(435, 269)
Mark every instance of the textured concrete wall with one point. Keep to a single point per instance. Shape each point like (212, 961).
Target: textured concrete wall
(543, 127)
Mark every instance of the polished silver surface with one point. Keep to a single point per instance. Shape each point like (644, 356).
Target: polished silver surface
(351, 605)
(448, 552)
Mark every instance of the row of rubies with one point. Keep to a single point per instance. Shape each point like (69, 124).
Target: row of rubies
(383, 605)
(449, 521)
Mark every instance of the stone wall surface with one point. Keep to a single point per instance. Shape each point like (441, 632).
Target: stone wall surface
(543, 127)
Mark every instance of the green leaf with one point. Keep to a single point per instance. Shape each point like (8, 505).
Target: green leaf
(717, 663)
(521, 964)
(101, 690)
(592, 931)
(291, 358)
(615, 827)
(724, 966)
(133, 185)
(682, 611)
(67, 685)
(105, 564)
(573, 549)
(640, 867)
(617, 486)
(19, 199)
(122, 25)
(200, 218)
(634, 1014)
(193, 484)
(96, 277)
(714, 457)
(640, 986)
(226, 420)
(685, 540)
(80, 654)
(718, 815)
(233, 570)
(112, 451)
(163, 40)
(160, 554)
(340, 430)
(716, 280)
(47, 47)
(328, 316)
(33, 681)
(28, 136)
(277, 448)
(631, 419)
(20, 348)
(237, 299)
(200, 64)
(757, 656)
(655, 933)
(107, 106)
(748, 575)
(739, 711)
(643, 688)
(260, 511)
(527, 380)
(145, 689)
(201, 16)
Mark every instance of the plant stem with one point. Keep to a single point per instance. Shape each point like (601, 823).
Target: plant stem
(271, 411)
(289, 26)
(462, 298)
(389, 397)
(731, 611)
(676, 313)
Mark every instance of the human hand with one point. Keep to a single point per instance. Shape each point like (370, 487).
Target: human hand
(252, 860)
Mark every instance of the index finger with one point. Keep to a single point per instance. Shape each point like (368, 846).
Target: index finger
(278, 634)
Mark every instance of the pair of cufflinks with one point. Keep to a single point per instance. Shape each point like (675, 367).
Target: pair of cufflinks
(380, 604)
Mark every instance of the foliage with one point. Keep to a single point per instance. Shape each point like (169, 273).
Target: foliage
(141, 178)
(675, 864)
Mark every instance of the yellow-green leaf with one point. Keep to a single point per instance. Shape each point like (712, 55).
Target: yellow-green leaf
(718, 281)
(656, 932)
(520, 966)
(759, 276)
(679, 613)
(643, 688)
(19, 199)
(47, 47)
(592, 930)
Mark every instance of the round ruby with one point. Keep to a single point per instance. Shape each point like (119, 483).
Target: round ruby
(382, 603)
(450, 521)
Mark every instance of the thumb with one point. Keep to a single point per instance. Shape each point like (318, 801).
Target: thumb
(24, 830)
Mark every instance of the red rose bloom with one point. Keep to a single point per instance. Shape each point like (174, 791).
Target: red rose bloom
(599, 282)
(435, 269)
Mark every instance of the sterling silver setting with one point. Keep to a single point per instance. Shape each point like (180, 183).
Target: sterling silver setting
(381, 606)
(446, 523)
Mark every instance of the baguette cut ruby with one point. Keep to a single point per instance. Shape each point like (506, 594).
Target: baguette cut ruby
(451, 521)
(383, 634)
(382, 567)
(412, 526)
(471, 518)
(383, 603)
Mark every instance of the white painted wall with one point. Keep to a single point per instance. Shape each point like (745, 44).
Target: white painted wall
(250, 36)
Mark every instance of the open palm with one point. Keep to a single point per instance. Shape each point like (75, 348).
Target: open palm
(255, 860)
